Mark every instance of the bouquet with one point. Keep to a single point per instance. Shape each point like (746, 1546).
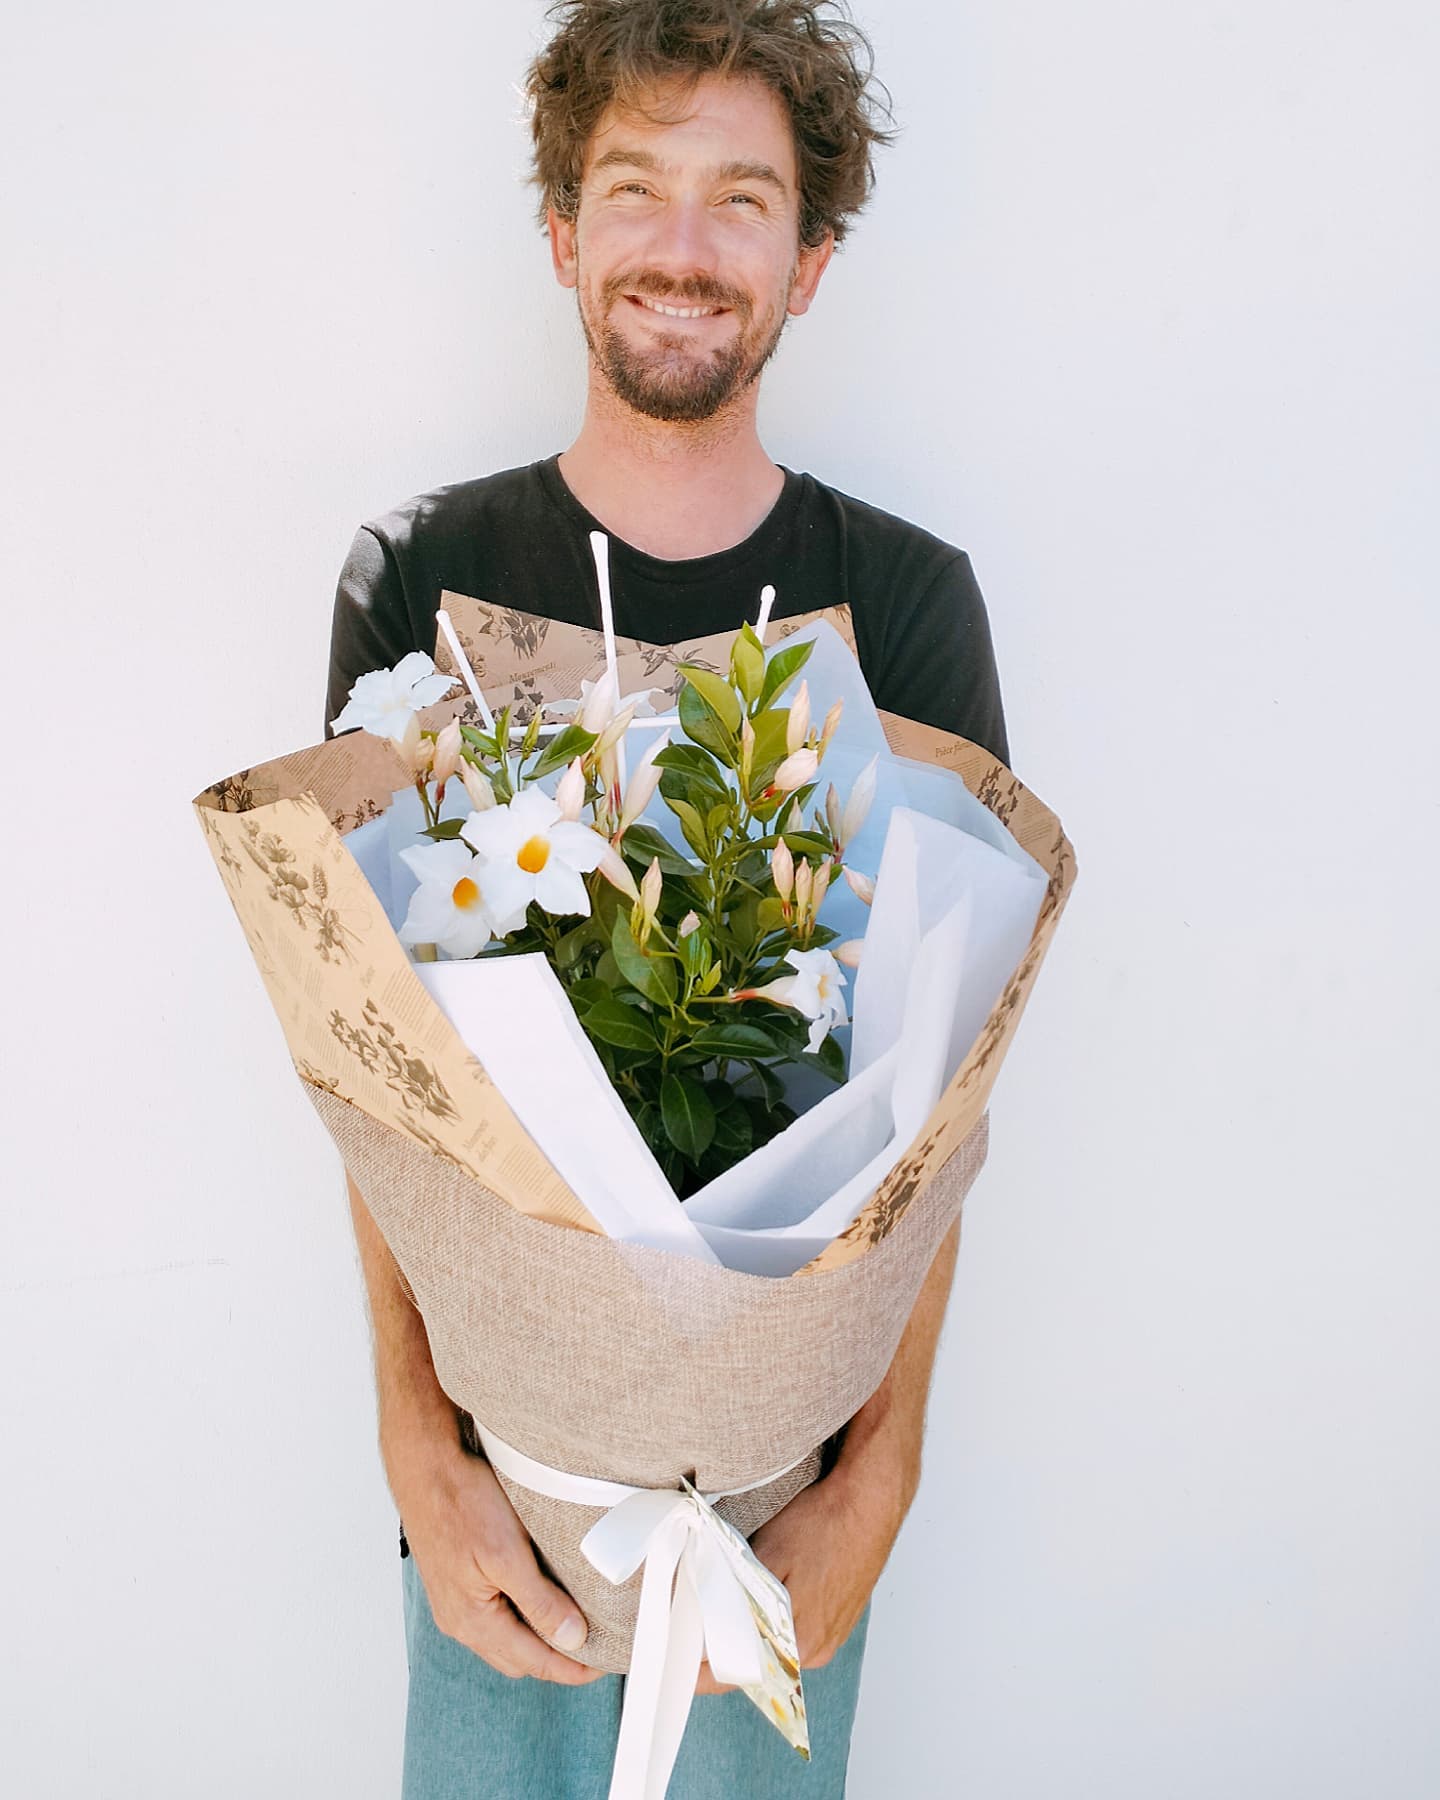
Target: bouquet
(698, 978)
(652, 1376)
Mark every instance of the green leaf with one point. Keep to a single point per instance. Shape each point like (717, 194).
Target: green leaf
(782, 669)
(771, 1086)
(644, 845)
(688, 1116)
(734, 1136)
(698, 764)
(446, 830)
(586, 992)
(623, 1026)
(702, 727)
(563, 748)
(692, 825)
(717, 694)
(770, 752)
(771, 917)
(571, 947)
(652, 976)
(747, 665)
(733, 1038)
(808, 843)
(829, 1059)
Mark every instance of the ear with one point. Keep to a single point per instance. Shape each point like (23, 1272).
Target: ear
(811, 265)
(562, 248)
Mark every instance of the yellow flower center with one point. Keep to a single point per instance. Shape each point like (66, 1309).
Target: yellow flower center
(533, 855)
(465, 894)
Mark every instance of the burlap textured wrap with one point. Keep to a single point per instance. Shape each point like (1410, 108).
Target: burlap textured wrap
(612, 1360)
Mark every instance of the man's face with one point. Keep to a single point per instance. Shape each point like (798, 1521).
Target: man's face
(685, 252)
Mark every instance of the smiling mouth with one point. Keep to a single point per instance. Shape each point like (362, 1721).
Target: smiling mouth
(676, 312)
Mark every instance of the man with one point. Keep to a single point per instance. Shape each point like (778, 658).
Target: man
(699, 160)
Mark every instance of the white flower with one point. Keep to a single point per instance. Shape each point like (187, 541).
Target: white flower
(814, 990)
(384, 701)
(532, 852)
(643, 701)
(448, 908)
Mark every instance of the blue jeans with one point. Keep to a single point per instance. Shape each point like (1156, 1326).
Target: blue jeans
(474, 1734)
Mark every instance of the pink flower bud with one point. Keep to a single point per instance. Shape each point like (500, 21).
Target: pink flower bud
(570, 794)
(782, 867)
(600, 704)
(642, 785)
(860, 885)
(857, 807)
(651, 887)
(446, 757)
(797, 726)
(613, 866)
(795, 771)
(804, 883)
(613, 732)
(832, 814)
(691, 922)
(849, 952)
(832, 719)
(418, 751)
(822, 882)
(477, 786)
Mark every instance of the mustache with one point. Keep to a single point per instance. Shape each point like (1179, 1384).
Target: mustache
(687, 290)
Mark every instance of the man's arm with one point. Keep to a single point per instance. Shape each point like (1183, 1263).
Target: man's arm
(831, 1542)
(472, 1552)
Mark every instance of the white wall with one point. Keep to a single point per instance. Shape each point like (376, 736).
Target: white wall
(1143, 317)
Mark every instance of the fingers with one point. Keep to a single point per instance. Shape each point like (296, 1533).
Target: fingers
(548, 1608)
(513, 1648)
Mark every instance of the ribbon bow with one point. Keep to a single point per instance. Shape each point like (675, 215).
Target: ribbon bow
(709, 1614)
(693, 1603)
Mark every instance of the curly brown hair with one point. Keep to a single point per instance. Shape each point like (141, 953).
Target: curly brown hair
(809, 53)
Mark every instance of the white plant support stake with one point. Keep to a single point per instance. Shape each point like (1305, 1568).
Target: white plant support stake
(767, 601)
(462, 663)
(600, 550)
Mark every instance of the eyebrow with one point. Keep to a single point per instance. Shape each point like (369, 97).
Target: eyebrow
(731, 171)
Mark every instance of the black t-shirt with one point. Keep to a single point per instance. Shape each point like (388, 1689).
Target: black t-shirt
(521, 539)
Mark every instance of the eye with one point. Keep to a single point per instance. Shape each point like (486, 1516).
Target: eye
(744, 199)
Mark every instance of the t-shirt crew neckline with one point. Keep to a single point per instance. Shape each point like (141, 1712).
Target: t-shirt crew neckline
(765, 540)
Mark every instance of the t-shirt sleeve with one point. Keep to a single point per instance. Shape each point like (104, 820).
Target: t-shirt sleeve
(939, 662)
(371, 626)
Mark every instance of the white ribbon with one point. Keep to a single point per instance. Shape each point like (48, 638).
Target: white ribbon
(692, 1604)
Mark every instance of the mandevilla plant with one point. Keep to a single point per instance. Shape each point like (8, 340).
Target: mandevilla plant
(697, 977)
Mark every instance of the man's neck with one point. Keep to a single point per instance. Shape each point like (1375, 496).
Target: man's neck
(673, 491)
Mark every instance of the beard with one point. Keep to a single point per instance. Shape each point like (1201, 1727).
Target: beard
(673, 379)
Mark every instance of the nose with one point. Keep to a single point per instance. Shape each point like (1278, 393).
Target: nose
(683, 241)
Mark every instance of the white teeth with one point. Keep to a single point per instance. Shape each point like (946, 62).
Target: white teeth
(679, 312)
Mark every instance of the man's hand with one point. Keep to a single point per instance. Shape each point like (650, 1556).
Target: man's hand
(475, 1558)
(828, 1546)
(830, 1543)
